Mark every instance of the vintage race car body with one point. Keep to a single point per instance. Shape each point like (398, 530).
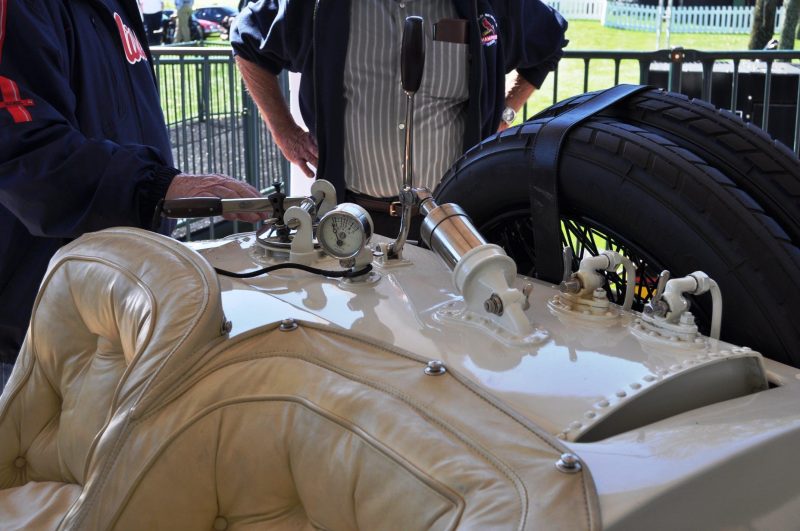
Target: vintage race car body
(688, 432)
(191, 399)
(307, 376)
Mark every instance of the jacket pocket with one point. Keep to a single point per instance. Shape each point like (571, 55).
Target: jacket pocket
(446, 71)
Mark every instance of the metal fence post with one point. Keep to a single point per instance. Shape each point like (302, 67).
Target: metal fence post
(708, 77)
(644, 70)
(676, 56)
(203, 90)
(250, 120)
(767, 95)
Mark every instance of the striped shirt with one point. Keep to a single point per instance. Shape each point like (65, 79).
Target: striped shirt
(376, 104)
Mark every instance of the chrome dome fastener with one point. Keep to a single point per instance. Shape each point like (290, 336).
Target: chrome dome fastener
(435, 368)
(287, 325)
(569, 463)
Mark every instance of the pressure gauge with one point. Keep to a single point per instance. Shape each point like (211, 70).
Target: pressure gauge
(344, 231)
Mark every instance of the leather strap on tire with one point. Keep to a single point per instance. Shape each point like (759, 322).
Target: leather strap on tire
(543, 183)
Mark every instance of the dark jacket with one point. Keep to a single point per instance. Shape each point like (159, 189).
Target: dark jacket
(83, 144)
(530, 38)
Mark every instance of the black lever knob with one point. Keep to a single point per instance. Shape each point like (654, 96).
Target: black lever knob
(412, 54)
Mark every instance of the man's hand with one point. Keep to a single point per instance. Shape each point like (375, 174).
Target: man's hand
(214, 185)
(299, 147)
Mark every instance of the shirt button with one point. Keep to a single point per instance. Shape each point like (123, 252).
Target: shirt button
(401, 126)
(402, 5)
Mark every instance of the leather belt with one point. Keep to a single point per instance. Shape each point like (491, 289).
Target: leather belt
(384, 205)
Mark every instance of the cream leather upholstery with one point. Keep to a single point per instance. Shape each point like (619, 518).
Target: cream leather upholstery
(115, 308)
(128, 410)
(312, 428)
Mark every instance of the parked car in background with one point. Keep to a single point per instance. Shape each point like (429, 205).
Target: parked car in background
(220, 15)
(209, 27)
(198, 29)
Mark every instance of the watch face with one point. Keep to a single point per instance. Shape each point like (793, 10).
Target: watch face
(508, 115)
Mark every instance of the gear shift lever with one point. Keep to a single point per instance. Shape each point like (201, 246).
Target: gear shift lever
(412, 64)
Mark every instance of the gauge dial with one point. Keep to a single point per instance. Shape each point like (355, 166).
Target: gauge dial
(344, 231)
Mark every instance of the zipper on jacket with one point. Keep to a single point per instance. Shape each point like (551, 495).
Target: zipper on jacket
(480, 77)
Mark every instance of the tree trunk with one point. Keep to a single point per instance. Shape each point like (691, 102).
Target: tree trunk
(789, 29)
(763, 24)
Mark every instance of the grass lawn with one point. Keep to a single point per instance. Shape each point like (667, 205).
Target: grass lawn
(590, 35)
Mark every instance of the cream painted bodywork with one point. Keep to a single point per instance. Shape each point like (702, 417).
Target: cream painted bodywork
(731, 464)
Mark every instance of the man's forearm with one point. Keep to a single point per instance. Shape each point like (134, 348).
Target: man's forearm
(296, 144)
(266, 92)
(519, 93)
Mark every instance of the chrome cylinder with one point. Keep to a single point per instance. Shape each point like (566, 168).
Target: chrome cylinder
(448, 231)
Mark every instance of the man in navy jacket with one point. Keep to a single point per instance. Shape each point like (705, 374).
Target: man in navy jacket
(83, 144)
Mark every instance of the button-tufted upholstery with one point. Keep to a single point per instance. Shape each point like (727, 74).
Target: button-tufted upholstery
(114, 308)
(312, 428)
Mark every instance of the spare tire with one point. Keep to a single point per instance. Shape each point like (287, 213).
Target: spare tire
(761, 166)
(656, 200)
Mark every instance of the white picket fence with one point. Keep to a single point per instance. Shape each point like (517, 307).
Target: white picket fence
(623, 15)
(579, 9)
(696, 19)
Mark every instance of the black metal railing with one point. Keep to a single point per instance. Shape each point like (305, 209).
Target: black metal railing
(215, 127)
(213, 123)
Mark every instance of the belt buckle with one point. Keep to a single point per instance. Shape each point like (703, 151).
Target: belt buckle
(395, 207)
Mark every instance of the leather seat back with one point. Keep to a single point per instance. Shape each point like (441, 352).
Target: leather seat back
(113, 307)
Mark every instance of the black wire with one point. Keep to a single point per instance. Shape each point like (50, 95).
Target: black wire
(332, 274)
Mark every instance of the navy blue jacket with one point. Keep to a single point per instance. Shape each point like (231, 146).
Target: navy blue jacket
(83, 145)
(529, 39)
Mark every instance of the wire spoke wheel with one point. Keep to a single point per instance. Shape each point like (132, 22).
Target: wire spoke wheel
(514, 232)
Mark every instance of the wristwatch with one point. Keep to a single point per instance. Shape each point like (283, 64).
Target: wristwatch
(508, 115)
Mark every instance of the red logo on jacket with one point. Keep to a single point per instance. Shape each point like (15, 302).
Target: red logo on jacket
(133, 50)
(488, 27)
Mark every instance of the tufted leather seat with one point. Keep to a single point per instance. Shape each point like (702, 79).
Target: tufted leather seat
(315, 429)
(124, 413)
(114, 307)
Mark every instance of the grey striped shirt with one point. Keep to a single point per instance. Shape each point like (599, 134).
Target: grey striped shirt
(376, 104)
